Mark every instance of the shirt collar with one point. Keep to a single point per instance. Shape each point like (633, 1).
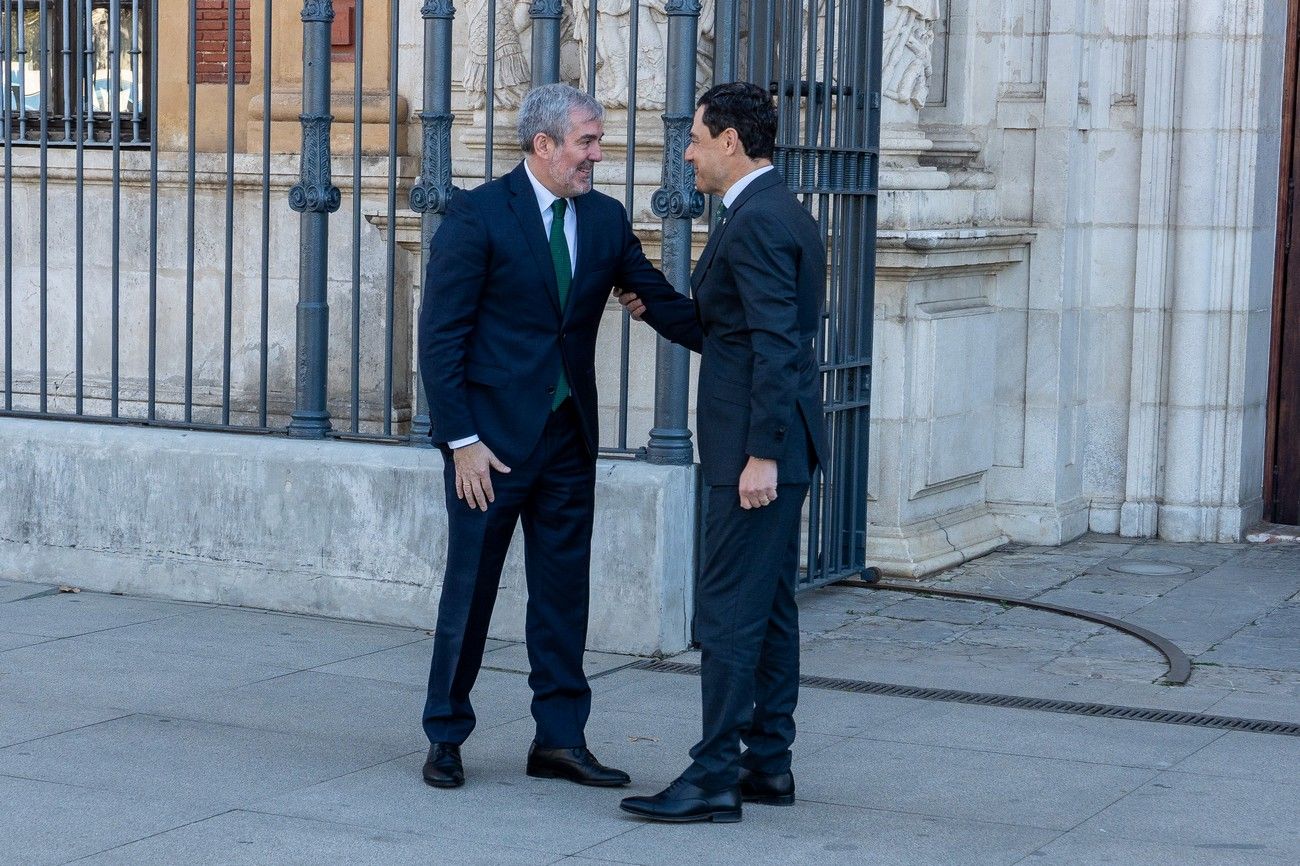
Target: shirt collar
(738, 187)
(545, 198)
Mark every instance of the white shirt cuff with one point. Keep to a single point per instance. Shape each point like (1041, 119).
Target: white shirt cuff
(461, 443)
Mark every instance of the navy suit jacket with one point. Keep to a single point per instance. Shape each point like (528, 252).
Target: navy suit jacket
(758, 286)
(492, 334)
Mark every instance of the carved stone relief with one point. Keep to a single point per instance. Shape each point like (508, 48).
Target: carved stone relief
(512, 53)
(906, 54)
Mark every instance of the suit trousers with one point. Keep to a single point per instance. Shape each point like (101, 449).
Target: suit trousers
(747, 625)
(553, 493)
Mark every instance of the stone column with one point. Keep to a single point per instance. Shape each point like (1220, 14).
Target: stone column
(1201, 313)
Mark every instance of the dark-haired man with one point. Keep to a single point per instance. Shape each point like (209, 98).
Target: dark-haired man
(758, 289)
(519, 274)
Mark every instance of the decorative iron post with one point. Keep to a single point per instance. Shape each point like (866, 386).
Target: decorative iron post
(315, 197)
(677, 203)
(432, 190)
(546, 41)
(726, 27)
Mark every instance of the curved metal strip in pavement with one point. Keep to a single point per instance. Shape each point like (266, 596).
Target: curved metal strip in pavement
(1180, 667)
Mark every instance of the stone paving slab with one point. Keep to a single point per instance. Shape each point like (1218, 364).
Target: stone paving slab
(822, 833)
(1210, 813)
(1248, 756)
(10, 641)
(498, 805)
(50, 823)
(1279, 707)
(187, 761)
(279, 640)
(154, 732)
(68, 614)
(90, 670)
(1088, 848)
(12, 591)
(1030, 733)
(22, 721)
(943, 782)
(327, 706)
(261, 839)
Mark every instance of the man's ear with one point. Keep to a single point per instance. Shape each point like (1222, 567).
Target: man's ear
(542, 144)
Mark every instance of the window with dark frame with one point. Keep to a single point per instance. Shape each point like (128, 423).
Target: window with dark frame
(66, 59)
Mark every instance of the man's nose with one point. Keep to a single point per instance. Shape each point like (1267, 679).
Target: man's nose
(595, 154)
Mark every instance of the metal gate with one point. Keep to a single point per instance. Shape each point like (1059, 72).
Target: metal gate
(151, 276)
(821, 59)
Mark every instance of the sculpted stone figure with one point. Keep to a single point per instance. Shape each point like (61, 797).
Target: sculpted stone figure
(512, 73)
(513, 55)
(613, 49)
(908, 40)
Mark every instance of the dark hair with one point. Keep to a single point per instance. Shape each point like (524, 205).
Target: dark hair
(746, 108)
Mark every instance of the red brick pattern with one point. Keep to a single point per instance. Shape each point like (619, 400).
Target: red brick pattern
(210, 50)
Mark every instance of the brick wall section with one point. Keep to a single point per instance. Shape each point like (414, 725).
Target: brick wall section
(210, 49)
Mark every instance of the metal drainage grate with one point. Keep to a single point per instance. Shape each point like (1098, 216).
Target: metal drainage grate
(986, 699)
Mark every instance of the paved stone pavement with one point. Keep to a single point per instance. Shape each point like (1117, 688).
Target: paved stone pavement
(139, 731)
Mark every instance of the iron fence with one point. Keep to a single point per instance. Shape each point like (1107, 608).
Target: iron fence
(155, 271)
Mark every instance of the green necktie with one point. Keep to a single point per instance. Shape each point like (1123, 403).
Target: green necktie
(563, 279)
(722, 212)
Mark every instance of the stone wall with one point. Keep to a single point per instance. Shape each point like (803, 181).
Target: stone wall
(1075, 261)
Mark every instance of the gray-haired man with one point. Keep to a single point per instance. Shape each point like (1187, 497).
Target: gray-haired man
(518, 278)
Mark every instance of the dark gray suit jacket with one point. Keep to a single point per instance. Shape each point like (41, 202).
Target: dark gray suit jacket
(758, 289)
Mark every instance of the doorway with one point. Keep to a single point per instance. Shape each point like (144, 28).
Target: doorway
(1282, 448)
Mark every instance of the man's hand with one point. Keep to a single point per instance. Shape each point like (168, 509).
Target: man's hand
(633, 304)
(473, 474)
(758, 483)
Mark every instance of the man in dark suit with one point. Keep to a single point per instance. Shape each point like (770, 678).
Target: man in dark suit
(518, 277)
(758, 289)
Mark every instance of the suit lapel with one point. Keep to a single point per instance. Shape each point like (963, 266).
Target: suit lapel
(764, 181)
(585, 245)
(706, 255)
(524, 204)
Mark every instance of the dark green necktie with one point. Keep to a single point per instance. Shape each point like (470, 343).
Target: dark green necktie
(563, 279)
(722, 212)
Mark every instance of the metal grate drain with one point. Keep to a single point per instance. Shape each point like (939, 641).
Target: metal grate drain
(1048, 705)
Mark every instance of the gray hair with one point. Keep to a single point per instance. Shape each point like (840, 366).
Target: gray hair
(548, 109)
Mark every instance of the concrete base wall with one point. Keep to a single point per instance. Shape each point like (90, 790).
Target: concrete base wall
(351, 530)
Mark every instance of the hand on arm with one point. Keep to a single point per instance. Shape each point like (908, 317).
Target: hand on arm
(631, 302)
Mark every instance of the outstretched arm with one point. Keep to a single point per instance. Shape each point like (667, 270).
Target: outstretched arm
(661, 306)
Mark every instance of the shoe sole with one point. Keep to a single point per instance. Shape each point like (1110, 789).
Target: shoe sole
(432, 784)
(547, 774)
(775, 800)
(724, 817)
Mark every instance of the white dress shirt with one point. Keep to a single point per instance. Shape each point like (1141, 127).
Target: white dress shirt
(545, 198)
(733, 193)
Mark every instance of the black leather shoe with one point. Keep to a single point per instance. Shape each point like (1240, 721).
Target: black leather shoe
(576, 765)
(442, 769)
(682, 802)
(771, 790)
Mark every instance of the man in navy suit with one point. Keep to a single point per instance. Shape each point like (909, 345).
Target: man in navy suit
(519, 274)
(758, 288)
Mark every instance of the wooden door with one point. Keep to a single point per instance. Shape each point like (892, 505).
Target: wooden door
(1282, 471)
